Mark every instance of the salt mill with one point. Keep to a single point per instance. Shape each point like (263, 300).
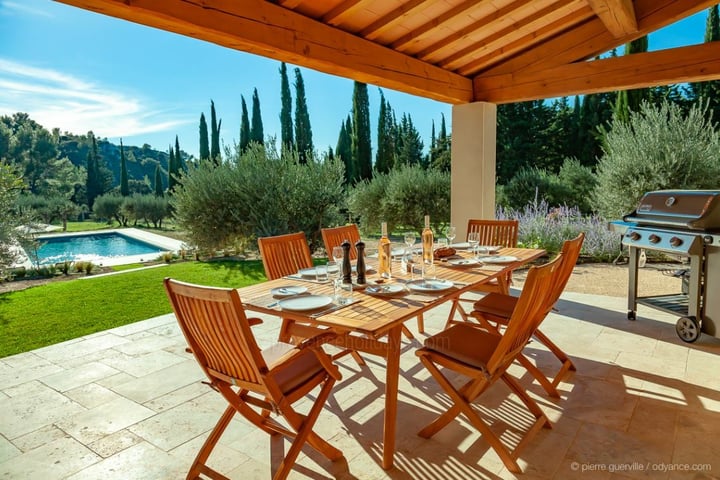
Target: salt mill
(346, 266)
(360, 246)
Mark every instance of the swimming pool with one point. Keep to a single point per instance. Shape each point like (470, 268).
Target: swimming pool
(100, 248)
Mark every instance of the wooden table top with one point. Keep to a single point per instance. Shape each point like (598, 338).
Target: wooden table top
(374, 314)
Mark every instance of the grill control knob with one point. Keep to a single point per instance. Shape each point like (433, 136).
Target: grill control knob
(676, 242)
(654, 238)
(708, 239)
(635, 236)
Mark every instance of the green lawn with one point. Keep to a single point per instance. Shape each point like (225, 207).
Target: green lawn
(60, 311)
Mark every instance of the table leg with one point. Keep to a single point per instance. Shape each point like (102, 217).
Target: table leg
(392, 377)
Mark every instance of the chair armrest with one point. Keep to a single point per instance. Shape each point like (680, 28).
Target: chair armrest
(254, 321)
(317, 340)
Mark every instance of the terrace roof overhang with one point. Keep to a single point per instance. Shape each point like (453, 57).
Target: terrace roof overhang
(455, 51)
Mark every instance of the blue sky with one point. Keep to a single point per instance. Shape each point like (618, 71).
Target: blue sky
(81, 71)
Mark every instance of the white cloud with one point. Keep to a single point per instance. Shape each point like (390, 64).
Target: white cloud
(21, 8)
(55, 99)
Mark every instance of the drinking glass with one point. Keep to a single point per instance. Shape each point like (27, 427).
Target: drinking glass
(474, 240)
(409, 241)
(338, 254)
(335, 274)
(451, 234)
(321, 273)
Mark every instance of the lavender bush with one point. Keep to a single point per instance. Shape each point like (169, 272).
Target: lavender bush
(544, 227)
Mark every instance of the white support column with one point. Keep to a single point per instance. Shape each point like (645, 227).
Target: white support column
(472, 182)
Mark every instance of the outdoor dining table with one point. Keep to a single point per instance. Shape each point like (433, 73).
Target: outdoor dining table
(373, 323)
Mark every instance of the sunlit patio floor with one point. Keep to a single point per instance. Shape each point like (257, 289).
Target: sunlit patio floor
(128, 404)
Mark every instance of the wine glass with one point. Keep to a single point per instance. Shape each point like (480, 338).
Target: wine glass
(335, 274)
(474, 240)
(338, 253)
(410, 240)
(451, 234)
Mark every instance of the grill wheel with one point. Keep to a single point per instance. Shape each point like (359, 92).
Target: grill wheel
(687, 329)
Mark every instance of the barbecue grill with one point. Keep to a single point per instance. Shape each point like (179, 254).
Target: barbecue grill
(683, 223)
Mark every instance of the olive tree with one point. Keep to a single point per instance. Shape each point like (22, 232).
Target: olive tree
(658, 148)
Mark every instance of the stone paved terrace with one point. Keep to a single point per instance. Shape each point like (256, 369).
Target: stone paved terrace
(128, 404)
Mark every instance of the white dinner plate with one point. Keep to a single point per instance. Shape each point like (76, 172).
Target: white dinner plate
(305, 302)
(288, 290)
(430, 285)
(308, 272)
(464, 262)
(499, 259)
(460, 246)
(488, 248)
(391, 289)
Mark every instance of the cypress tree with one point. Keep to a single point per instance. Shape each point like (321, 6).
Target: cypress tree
(172, 170)
(433, 142)
(90, 189)
(384, 157)
(630, 100)
(344, 148)
(180, 164)
(361, 146)
(124, 186)
(204, 142)
(244, 126)
(286, 121)
(214, 135)
(410, 150)
(158, 187)
(442, 136)
(303, 130)
(256, 130)
(710, 91)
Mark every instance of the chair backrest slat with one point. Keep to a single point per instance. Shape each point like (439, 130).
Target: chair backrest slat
(502, 233)
(332, 237)
(217, 331)
(570, 252)
(284, 254)
(531, 308)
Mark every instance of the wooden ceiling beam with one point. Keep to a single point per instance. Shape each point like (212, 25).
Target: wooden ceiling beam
(592, 38)
(412, 36)
(665, 67)
(266, 29)
(343, 8)
(374, 30)
(511, 48)
(618, 16)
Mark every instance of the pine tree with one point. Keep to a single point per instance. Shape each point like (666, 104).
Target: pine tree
(244, 126)
(344, 148)
(158, 187)
(204, 142)
(361, 145)
(256, 131)
(124, 185)
(214, 135)
(385, 155)
(303, 130)
(630, 100)
(286, 121)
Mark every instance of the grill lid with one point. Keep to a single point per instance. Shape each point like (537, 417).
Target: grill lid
(687, 209)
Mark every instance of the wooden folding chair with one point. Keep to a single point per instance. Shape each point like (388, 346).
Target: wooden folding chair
(500, 233)
(335, 236)
(271, 380)
(285, 255)
(484, 358)
(495, 310)
(332, 237)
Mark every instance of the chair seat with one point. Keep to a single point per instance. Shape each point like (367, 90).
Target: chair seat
(304, 366)
(466, 344)
(496, 304)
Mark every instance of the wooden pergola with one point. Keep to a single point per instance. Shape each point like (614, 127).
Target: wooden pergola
(471, 53)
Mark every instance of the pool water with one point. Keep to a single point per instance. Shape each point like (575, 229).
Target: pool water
(94, 247)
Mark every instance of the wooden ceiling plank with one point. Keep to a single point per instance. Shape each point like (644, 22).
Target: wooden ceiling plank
(333, 16)
(591, 38)
(677, 65)
(473, 27)
(289, 3)
(455, 12)
(476, 48)
(511, 48)
(617, 15)
(266, 29)
(373, 30)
